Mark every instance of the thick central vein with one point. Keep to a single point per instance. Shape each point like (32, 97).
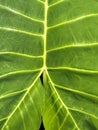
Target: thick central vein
(45, 32)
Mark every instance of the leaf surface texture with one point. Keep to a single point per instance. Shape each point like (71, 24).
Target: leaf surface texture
(49, 64)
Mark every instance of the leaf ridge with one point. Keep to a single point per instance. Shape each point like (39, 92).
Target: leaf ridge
(60, 128)
(28, 113)
(55, 114)
(53, 105)
(22, 117)
(32, 102)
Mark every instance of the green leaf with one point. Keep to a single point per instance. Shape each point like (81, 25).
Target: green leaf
(49, 64)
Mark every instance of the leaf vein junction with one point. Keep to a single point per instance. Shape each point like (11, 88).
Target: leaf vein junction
(12, 94)
(83, 112)
(56, 3)
(76, 91)
(74, 45)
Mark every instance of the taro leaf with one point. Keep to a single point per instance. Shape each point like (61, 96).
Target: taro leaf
(49, 64)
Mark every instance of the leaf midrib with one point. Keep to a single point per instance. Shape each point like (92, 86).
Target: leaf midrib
(45, 34)
(44, 65)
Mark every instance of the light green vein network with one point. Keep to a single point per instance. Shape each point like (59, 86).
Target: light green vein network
(66, 99)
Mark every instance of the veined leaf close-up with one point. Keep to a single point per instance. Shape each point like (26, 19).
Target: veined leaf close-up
(49, 64)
